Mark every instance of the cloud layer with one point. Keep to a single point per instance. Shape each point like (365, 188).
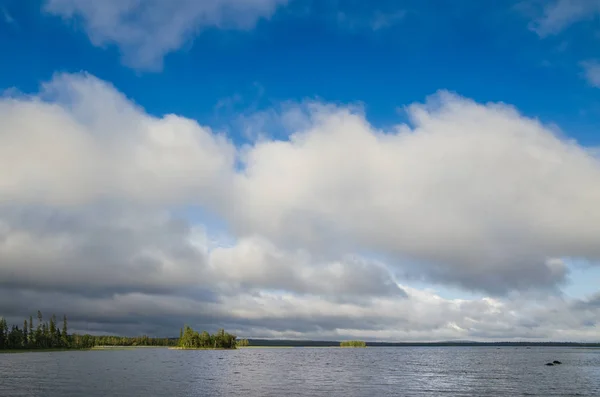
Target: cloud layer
(328, 227)
(146, 31)
(81, 141)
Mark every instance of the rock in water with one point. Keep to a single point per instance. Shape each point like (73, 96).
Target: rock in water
(549, 364)
(556, 362)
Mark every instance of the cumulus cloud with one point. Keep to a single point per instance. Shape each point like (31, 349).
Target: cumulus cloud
(80, 140)
(98, 251)
(328, 226)
(557, 15)
(472, 194)
(106, 251)
(146, 31)
(256, 264)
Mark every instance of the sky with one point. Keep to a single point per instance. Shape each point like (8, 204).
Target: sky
(326, 169)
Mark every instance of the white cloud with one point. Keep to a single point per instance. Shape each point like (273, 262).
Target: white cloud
(474, 195)
(146, 31)
(123, 249)
(557, 15)
(80, 140)
(471, 195)
(256, 264)
(592, 72)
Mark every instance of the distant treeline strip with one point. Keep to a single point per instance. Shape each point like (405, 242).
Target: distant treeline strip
(315, 343)
(48, 335)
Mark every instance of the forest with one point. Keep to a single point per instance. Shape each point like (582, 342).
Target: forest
(52, 335)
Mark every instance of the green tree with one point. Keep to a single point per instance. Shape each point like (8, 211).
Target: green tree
(31, 336)
(3, 333)
(52, 332)
(48, 335)
(15, 338)
(45, 335)
(190, 339)
(353, 343)
(65, 335)
(39, 336)
(205, 339)
(25, 335)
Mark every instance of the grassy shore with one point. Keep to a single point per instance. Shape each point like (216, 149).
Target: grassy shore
(289, 347)
(95, 348)
(127, 347)
(266, 347)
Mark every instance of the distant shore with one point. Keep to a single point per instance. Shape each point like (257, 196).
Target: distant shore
(315, 343)
(200, 348)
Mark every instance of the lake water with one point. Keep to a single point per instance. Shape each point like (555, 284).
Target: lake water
(375, 371)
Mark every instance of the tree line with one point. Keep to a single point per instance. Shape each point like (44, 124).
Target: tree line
(44, 335)
(52, 335)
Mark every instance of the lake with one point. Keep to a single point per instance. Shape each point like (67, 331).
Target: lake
(374, 371)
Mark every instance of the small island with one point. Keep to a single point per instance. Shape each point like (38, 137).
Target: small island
(353, 343)
(193, 340)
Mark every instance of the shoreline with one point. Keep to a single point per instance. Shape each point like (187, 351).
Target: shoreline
(200, 348)
(116, 348)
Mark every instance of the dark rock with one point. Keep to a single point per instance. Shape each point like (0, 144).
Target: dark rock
(549, 364)
(556, 362)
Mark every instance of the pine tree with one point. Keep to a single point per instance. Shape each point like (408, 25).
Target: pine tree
(25, 335)
(3, 333)
(45, 338)
(31, 336)
(65, 336)
(52, 331)
(13, 338)
(38, 332)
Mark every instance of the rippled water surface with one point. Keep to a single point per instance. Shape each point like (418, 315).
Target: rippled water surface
(376, 371)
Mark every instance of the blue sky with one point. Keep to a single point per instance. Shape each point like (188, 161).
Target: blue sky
(502, 212)
(482, 50)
